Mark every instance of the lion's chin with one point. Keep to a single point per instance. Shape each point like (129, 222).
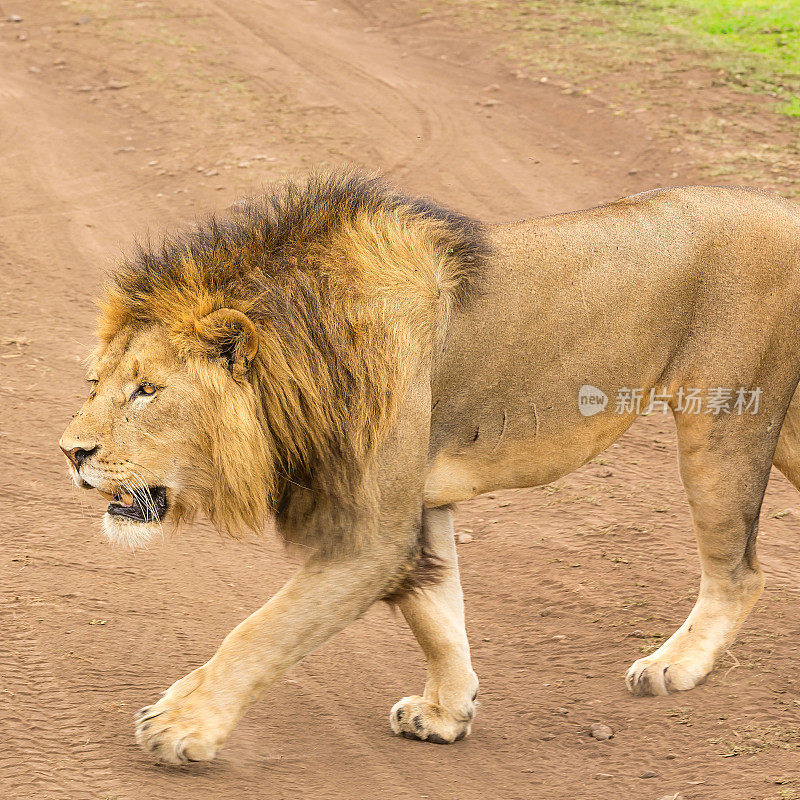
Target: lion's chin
(128, 534)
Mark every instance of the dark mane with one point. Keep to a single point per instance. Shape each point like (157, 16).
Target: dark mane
(265, 237)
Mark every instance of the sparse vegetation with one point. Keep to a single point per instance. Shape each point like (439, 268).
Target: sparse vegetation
(732, 60)
(751, 739)
(753, 43)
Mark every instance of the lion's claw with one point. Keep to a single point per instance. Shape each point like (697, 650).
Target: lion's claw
(142, 715)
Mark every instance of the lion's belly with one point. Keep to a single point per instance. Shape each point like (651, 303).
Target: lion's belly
(528, 450)
(454, 477)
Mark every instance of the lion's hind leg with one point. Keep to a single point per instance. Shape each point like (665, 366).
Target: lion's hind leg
(724, 464)
(787, 453)
(444, 713)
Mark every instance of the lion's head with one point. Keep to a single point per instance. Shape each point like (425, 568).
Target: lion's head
(253, 364)
(171, 427)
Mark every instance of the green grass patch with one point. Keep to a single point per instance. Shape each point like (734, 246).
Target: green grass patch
(755, 45)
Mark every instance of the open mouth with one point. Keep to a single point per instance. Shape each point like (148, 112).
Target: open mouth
(139, 506)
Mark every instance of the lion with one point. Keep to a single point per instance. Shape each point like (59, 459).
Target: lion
(353, 362)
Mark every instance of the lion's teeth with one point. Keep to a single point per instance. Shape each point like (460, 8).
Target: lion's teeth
(105, 494)
(127, 499)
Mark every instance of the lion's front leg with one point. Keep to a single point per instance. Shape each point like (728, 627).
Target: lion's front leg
(197, 713)
(444, 713)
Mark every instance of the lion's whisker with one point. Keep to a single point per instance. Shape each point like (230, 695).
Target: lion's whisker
(145, 495)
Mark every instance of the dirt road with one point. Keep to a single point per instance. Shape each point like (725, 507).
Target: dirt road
(122, 118)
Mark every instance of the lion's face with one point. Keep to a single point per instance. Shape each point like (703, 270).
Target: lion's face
(139, 438)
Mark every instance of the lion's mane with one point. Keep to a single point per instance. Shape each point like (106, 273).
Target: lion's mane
(349, 285)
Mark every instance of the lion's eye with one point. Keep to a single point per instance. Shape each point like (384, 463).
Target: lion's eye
(144, 390)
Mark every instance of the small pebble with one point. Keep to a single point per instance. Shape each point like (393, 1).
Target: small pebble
(117, 84)
(83, 20)
(464, 538)
(14, 18)
(600, 731)
(649, 774)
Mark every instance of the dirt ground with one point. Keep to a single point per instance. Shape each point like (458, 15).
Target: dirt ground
(121, 118)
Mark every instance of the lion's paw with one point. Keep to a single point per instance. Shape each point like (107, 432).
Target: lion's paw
(416, 718)
(660, 675)
(179, 728)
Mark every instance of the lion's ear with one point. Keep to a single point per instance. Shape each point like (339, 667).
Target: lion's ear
(230, 336)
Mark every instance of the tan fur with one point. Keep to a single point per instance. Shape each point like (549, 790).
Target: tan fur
(352, 361)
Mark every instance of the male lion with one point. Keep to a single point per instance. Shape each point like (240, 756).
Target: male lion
(354, 362)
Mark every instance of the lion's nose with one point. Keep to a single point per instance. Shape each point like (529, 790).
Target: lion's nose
(77, 455)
